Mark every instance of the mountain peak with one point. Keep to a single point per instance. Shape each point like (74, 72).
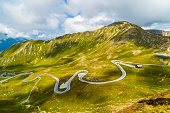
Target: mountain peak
(119, 23)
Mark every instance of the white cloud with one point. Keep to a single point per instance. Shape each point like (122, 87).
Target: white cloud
(140, 12)
(161, 26)
(35, 32)
(53, 17)
(46, 36)
(53, 21)
(42, 36)
(29, 17)
(20, 14)
(80, 24)
(32, 14)
(11, 32)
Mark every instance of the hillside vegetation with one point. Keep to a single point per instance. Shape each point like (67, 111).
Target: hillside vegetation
(92, 51)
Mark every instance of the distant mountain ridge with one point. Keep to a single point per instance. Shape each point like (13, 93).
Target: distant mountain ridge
(3, 36)
(6, 42)
(159, 32)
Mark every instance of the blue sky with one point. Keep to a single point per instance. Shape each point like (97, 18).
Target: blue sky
(66, 1)
(46, 19)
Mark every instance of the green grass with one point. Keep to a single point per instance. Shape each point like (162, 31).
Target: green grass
(92, 51)
(137, 84)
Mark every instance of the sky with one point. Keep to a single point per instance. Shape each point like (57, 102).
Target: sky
(46, 19)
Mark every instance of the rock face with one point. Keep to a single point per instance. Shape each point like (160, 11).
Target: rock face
(166, 33)
(159, 32)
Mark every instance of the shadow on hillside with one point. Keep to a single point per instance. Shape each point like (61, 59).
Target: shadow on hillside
(15, 105)
(156, 102)
(16, 68)
(6, 106)
(22, 68)
(112, 72)
(59, 48)
(155, 76)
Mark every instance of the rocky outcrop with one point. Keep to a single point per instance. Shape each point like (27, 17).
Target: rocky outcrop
(166, 33)
(159, 32)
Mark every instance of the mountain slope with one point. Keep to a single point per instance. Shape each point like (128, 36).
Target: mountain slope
(92, 51)
(32, 50)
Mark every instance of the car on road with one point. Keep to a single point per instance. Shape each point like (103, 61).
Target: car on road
(138, 66)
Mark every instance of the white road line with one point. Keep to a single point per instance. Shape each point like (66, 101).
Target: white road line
(80, 74)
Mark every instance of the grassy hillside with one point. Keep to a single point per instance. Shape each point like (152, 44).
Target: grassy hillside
(92, 51)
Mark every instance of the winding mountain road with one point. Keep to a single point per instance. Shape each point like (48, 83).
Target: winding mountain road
(80, 74)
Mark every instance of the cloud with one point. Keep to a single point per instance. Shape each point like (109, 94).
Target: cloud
(141, 12)
(32, 14)
(35, 32)
(80, 24)
(52, 21)
(46, 36)
(11, 32)
(42, 36)
(28, 17)
(55, 17)
(161, 26)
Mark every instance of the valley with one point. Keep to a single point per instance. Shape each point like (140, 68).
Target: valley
(92, 51)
